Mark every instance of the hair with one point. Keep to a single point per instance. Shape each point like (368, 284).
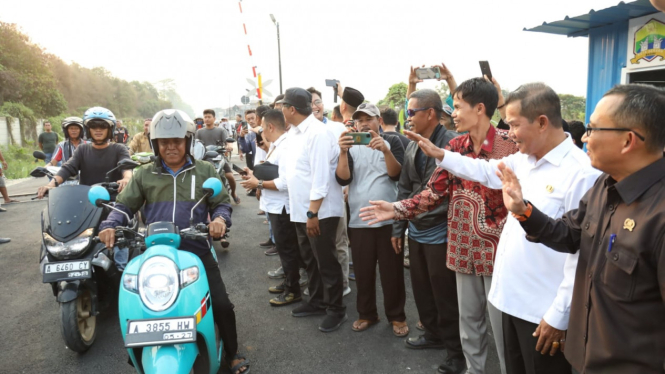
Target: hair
(429, 99)
(249, 111)
(209, 111)
(276, 118)
(304, 111)
(577, 130)
(261, 110)
(537, 99)
(47, 122)
(476, 91)
(337, 112)
(389, 117)
(147, 119)
(118, 121)
(313, 91)
(642, 107)
(239, 115)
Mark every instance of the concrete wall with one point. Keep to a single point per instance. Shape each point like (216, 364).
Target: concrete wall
(15, 127)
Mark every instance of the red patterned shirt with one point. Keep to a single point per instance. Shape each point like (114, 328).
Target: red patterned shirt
(476, 213)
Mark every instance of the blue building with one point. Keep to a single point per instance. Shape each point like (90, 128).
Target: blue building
(626, 45)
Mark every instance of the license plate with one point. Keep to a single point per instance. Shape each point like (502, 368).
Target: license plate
(160, 331)
(69, 270)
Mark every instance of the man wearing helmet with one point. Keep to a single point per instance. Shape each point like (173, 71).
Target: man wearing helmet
(92, 161)
(169, 188)
(72, 127)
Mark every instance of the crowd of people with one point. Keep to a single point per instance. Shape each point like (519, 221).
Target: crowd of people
(511, 225)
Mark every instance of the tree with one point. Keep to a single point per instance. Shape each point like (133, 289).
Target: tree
(396, 96)
(573, 107)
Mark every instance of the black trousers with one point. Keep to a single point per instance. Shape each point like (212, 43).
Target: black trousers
(372, 246)
(222, 308)
(435, 292)
(324, 271)
(286, 241)
(520, 350)
(249, 158)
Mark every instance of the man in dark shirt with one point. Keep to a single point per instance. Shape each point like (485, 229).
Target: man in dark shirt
(121, 134)
(47, 141)
(617, 317)
(389, 125)
(94, 160)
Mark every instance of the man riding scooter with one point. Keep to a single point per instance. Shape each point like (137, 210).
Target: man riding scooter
(73, 129)
(170, 187)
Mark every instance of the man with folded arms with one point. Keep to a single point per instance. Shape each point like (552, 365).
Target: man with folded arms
(476, 219)
(314, 201)
(617, 316)
(373, 171)
(531, 284)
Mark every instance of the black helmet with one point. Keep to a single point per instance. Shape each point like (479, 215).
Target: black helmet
(72, 121)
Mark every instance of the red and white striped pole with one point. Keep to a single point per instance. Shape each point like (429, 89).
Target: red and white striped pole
(257, 77)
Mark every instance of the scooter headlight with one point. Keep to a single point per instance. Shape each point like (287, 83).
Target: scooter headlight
(158, 283)
(129, 281)
(69, 249)
(189, 276)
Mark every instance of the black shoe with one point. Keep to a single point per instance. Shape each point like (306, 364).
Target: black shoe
(422, 343)
(352, 276)
(332, 323)
(307, 310)
(268, 243)
(4, 240)
(277, 289)
(285, 299)
(452, 366)
(271, 252)
(2, 209)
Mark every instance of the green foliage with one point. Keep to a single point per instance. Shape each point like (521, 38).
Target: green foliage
(20, 162)
(573, 107)
(396, 96)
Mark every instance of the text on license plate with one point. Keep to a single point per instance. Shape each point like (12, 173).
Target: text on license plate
(61, 267)
(176, 324)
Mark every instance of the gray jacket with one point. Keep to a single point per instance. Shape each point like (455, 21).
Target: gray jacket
(410, 183)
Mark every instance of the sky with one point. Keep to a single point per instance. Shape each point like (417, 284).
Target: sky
(366, 44)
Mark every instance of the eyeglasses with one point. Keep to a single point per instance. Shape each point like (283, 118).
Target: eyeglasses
(412, 112)
(317, 102)
(591, 129)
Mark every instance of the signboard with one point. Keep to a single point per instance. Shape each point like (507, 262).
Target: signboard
(646, 42)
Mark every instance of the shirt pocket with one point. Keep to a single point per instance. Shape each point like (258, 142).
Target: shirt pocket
(618, 276)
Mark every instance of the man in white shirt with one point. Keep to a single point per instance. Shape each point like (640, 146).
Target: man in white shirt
(342, 240)
(532, 285)
(314, 201)
(275, 201)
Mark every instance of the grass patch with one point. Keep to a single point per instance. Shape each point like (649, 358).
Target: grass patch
(20, 162)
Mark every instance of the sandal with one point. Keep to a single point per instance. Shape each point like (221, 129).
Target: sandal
(420, 326)
(243, 364)
(362, 327)
(397, 324)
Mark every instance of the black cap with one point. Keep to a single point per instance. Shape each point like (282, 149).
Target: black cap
(352, 97)
(298, 98)
(278, 99)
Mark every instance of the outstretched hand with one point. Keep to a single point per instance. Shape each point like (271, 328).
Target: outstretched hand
(426, 145)
(512, 190)
(379, 211)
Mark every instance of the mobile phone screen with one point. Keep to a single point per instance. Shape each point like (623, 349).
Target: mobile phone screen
(428, 73)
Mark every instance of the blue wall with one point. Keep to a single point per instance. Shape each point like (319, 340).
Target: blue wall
(607, 56)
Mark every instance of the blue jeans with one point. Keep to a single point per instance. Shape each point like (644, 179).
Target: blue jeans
(121, 257)
(48, 157)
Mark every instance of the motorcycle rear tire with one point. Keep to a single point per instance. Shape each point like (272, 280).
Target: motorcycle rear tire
(77, 325)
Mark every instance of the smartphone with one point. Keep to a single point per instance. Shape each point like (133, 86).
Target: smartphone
(244, 125)
(428, 73)
(360, 138)
(485, 69)
(333, 83)
(238, 169)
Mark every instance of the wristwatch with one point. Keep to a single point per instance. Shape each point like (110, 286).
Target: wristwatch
(260, 186)
(527, 212)
(311, 214)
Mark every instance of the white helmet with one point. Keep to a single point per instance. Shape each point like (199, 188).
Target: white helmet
(171, 123)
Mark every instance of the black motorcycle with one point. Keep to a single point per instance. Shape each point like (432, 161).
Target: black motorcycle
(79, 269)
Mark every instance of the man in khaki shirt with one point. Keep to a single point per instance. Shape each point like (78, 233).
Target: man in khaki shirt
(141, 141)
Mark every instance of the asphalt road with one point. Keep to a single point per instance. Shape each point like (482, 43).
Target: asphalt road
(273, 341)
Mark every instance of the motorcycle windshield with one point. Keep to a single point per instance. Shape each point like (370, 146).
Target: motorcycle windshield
(70, 212)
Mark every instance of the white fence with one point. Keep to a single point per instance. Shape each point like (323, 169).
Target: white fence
(13, 125)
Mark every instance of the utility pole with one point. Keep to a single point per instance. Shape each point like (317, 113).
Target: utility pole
(279, 53)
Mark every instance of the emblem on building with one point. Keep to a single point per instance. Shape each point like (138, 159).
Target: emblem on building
(649, 42)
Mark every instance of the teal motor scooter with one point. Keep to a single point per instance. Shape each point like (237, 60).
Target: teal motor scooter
(164, 302)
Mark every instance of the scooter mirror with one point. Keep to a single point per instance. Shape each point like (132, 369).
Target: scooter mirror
(39, 155)
(213, 186)
(128, 163)
(230, 140)
(38, 172)
(98, 195)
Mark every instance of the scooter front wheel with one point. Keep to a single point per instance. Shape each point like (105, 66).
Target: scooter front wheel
(77, 324)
